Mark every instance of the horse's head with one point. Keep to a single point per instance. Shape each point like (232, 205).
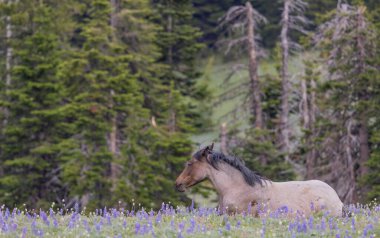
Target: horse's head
(196, 170)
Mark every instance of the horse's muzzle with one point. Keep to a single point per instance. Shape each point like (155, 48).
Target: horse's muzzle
(180, 187)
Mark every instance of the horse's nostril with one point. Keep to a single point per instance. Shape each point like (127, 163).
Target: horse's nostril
(178, 187)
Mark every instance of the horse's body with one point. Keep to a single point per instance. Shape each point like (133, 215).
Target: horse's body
(239, 188)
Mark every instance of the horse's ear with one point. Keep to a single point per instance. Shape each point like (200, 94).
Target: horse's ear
(208, 149)
(212, 146)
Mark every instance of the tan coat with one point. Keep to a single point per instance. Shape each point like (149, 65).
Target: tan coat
(306, 197)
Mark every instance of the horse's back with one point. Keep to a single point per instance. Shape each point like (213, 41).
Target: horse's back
(309, 196)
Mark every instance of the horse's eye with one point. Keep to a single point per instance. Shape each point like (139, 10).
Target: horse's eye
(189, 163)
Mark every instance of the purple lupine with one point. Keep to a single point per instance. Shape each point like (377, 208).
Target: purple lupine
(238, 224)
(151, 213)
(172, 224)
(158, 218)
(125, 224)
(181, 226)
(14, 227)
(98, 226)
(290, 227)
(7, 214)
(144, 229)
(323, 224)
(369, 227)
(86, 226)
(353, 224)
(109, 220)
(76, 207)
(228, 226)
(24, 231)
(51, 213)
(311, 222)
(55, 222)
(105, 212)
(4, 227)
(44, 218)
(137, 228)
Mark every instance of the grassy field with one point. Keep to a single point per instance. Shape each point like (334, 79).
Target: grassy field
(184, 222)
(220, 79)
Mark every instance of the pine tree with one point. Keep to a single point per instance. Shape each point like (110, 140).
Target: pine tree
(105, 108)
(32, 132)
(349, 39)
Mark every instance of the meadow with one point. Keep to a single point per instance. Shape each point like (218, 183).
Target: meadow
(184, 222)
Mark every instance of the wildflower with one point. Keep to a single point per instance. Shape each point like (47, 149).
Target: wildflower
(24, 231)
(86, 226)
(181, 226)
(158, 217)
(76, 207)
(366, 229)
(323, 224)
(311, 220)
(228, 226)
(55, 222)
(137, 228)
(98, 226)
(238, 224)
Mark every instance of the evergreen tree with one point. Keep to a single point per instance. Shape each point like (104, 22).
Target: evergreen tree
(105, 98)
(29, 140)
(349, 39)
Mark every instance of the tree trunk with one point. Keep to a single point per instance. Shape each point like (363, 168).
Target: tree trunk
(253, 67)
(305, 105)
(112, 137)
(306, 127)
(363, 96)
(311, 154)
(172, 113)
(169, 30)
(223, 138)
(8, 61)
(364, 147)
(284, 115)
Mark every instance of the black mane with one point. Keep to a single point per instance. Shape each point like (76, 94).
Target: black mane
(250, 177)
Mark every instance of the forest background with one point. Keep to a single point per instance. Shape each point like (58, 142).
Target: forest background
(103, 101)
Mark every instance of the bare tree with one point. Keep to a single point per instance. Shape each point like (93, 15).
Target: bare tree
(292, 18)
(245, 19)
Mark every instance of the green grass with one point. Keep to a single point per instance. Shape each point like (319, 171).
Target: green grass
(186, 222)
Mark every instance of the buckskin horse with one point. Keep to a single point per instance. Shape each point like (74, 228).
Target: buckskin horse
(243, 190)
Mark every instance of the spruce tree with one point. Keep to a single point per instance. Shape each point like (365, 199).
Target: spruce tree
(32, 132)
(349, 43)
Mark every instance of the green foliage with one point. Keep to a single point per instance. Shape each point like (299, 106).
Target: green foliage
(71, 91)
(29, 139)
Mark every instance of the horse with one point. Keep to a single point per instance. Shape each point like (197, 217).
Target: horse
(242, 190)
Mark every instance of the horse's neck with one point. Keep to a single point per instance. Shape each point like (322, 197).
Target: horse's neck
(228, 180)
